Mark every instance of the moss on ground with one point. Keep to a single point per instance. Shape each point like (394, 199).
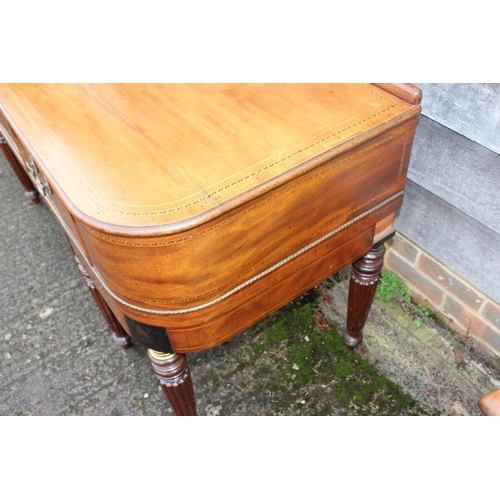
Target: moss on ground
(299, 366)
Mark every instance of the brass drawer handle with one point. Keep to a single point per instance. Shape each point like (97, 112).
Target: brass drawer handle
(32, 168)
(42, 186)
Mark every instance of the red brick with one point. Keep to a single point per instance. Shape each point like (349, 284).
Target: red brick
(491, 355)
(473, 323)
(491, 337)
(414, 278)
(403, 247)
(451, 284)
(458, 311)
(492, 313)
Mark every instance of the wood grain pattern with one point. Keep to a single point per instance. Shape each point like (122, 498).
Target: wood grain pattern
(316, 171)
(198, 266)
(204, 328)
(228, 141)
(364, 280)
(196, 210)
(175, 380)
(120, 337)
(410, 93)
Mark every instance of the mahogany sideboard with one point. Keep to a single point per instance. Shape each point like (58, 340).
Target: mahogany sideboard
(195, 210)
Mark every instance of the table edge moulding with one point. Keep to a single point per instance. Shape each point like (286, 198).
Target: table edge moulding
(195, 210)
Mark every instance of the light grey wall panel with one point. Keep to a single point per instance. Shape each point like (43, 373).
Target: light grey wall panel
(459, 171)
(455, 239)
(471, 109)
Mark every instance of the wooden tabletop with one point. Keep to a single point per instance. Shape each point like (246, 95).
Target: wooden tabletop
(176, 155)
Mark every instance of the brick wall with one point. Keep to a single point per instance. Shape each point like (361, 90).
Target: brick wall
(465, 309)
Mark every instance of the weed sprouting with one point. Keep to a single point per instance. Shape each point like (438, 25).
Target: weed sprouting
(391, 287)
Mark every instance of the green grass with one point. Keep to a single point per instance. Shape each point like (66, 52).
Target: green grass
(391, 287)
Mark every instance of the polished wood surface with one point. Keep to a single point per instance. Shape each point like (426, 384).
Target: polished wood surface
(405, 91)
(120, 336)
(174, 377)
(365, 275)
(196, 210)
(206, 145)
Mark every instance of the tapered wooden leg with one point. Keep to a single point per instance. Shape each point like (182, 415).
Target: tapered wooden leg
(120, 336)
(364, 279)
(175, 378)
(29, 190)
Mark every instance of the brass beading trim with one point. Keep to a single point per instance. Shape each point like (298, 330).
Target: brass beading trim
(230, 292)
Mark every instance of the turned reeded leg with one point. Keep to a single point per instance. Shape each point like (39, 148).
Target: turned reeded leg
(364, 278)
(175, 378)
(29, 190)
(120, 336)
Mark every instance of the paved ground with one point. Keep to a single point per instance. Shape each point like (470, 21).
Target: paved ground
(57, 356)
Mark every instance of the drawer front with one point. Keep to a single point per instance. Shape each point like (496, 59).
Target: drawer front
(24, 158)
(11, 139)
